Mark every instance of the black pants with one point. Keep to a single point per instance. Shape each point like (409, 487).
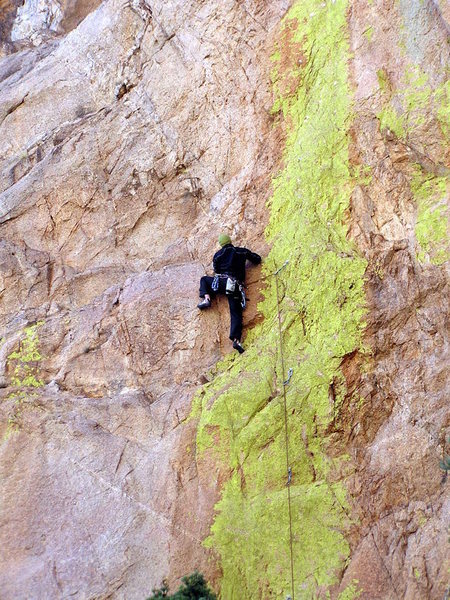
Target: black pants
(234, 302)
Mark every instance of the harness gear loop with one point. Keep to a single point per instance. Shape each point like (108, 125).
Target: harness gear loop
(230, 286)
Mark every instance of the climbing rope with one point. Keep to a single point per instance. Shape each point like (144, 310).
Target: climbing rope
(286, 433)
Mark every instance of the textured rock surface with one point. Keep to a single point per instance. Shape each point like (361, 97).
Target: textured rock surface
(398, 434)
(381, 431)
(131, 133)
(127, 145)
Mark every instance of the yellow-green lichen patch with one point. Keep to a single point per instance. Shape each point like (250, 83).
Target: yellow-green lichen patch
(414, 104)
(384, 81)
(430, 194)
(390, 118)
(417, 104)
(368, 34)
(362, 174)
(351, 592)
(442, 97)
(25, 379)
(241, 413)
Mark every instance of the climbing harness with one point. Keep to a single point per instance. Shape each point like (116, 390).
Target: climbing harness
(233, 287)
(286, 433)
(230, 287)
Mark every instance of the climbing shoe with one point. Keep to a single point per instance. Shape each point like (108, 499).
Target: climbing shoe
(204, 304)
(237, 346)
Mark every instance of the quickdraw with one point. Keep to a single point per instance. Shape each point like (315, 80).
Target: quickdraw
(243, 297)
(215, 283)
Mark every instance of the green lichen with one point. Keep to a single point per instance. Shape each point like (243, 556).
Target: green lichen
(362, 174)
(368, 34)
(383, 80)
(417, 97)
(351, 592)
(442, 98)
(423, 520)
(322, 305)
(25, 374)
(414, 104)
(430, 194)
(28, 351)
(417, 104)
(390, 119)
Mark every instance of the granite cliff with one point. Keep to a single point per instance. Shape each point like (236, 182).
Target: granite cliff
(135, 445)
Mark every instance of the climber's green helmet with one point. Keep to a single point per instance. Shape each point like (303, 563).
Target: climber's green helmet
(224, 239)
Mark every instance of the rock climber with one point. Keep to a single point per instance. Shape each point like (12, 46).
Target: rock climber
(229, 267)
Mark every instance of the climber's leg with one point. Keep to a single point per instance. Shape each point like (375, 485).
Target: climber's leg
(205, 292)
(205, 286)
(236, 318)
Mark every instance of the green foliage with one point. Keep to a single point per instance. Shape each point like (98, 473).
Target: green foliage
(25, 373)
(194, 587)
(322, 306)
(162, 592)
(444, 464)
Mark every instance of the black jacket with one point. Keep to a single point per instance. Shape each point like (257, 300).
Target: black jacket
(230, 260)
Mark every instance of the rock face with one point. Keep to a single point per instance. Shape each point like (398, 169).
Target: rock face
(131, 134)
(399, 432)
(127, 146)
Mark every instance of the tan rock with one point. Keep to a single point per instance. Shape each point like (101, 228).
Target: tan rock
(127, 145)
(131, 134)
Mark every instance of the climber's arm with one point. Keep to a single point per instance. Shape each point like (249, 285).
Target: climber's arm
(253, 257)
